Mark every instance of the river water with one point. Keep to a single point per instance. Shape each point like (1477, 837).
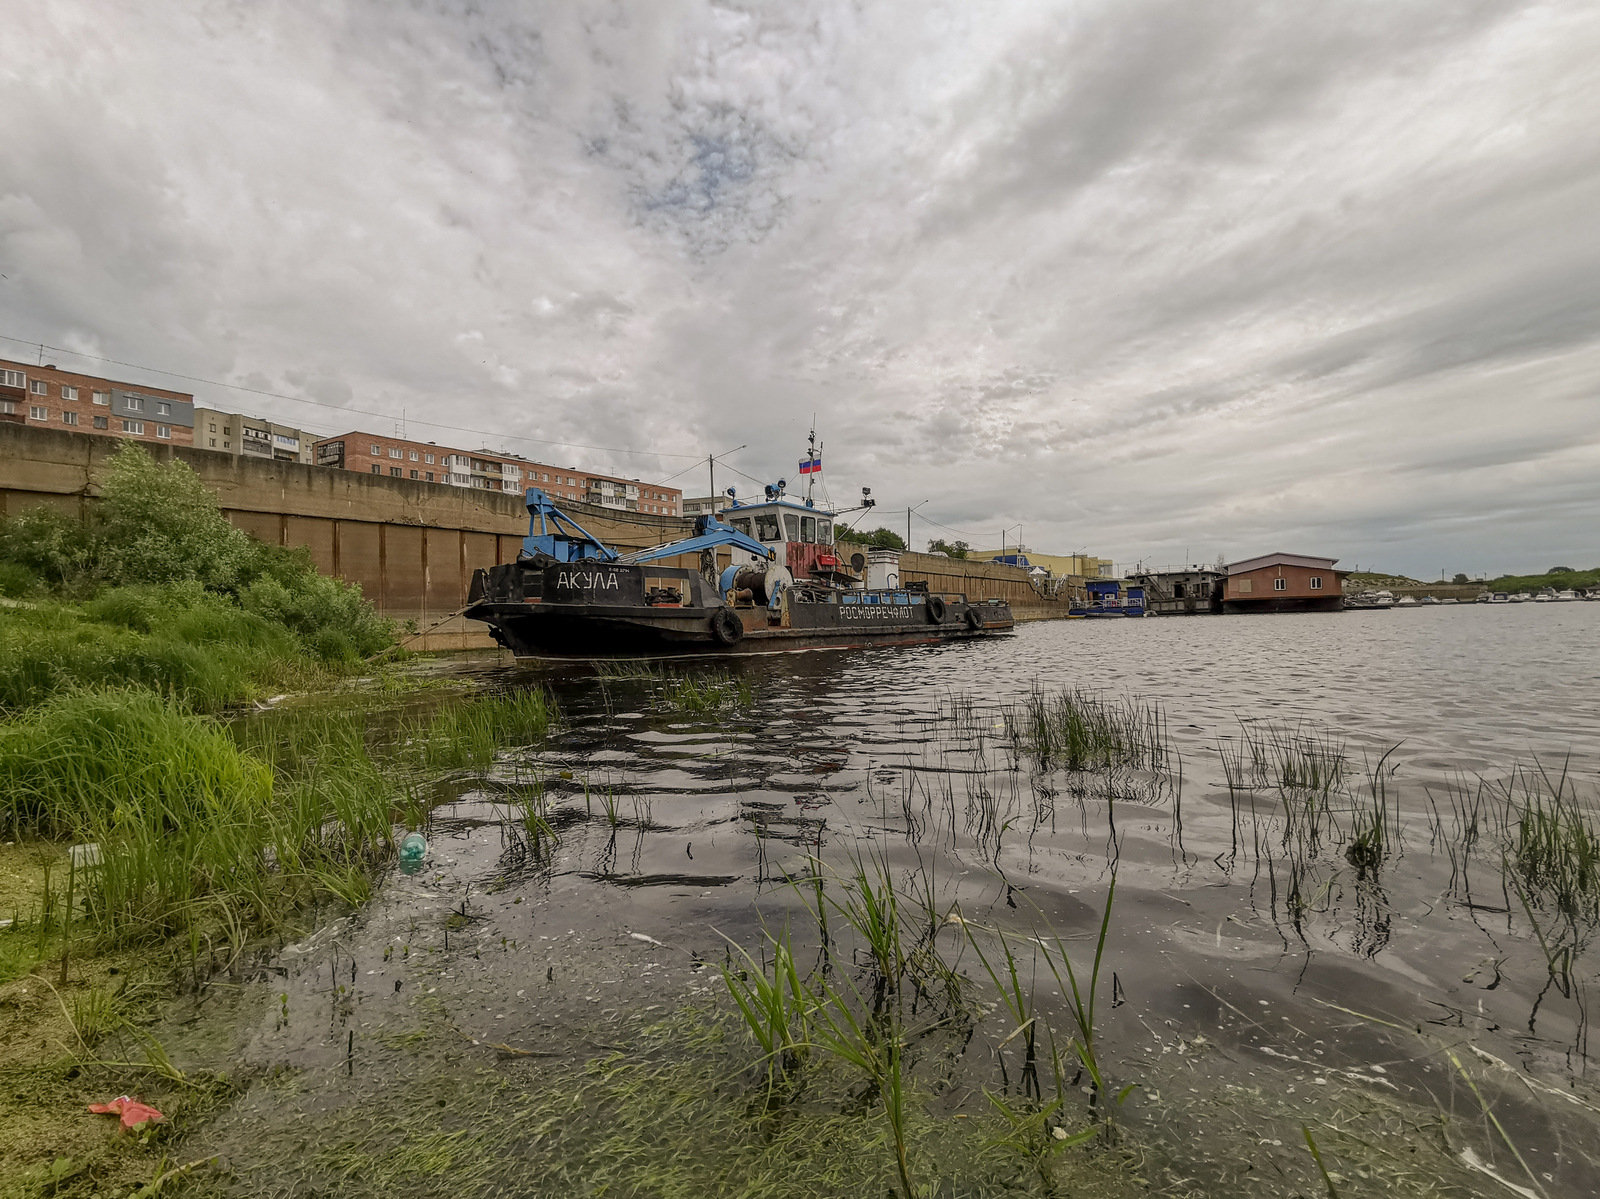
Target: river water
(1254, 980)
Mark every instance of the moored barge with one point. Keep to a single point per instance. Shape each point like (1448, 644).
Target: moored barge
(568, 595)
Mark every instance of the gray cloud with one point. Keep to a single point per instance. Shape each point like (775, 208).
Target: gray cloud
(1149, 278)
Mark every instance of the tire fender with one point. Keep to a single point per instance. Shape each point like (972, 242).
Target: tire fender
(726, 627)
(974, 618)
(936, 609)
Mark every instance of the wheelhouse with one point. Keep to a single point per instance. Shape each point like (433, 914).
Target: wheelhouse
(801, 536)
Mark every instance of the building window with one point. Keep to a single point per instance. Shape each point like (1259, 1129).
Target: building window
(12, 378)
(37, 413)
(213, 429)
(413, 455)
(395, 471)
(430, 476)
(135, 403)
(133, 426)
(7, 408)
(39, 387)
(69, 418)
(376, 469)
(68, 393)
(227, 430)
(413, 474)
(102, 398)
(213, 440)
(1316, 582)
(227, 445)
(1280, 584)
(376, 450)
(394, 451)
(163, 408)
(164, 431)
(428, 458)
(103, 422)
(1243, 586)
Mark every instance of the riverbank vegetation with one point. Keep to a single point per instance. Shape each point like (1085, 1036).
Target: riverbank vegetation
(159, 591)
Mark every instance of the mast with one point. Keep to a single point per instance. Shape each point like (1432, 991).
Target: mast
(811, 454)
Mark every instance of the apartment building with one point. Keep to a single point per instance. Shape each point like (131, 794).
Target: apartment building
(45, 396)
(489, 470)
(251, 436)
(421, 461)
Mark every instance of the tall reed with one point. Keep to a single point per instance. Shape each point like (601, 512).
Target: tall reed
(1082, 730)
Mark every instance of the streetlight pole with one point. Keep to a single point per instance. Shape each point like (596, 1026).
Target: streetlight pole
(909, 511)
(711, 467)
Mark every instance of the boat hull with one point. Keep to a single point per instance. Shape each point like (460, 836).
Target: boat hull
(608, 616)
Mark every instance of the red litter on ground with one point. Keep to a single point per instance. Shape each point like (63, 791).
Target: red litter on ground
(134, 1114)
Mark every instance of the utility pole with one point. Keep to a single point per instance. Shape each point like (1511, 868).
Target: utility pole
(711, 465)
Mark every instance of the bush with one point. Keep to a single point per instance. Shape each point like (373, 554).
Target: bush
(16, 580)
(186, 603)
(331, 618)
(50, 544)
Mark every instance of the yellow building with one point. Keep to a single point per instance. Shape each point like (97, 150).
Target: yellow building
(1059, 565)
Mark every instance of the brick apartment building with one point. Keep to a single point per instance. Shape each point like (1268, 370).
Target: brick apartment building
(45, 396)
(485, 470)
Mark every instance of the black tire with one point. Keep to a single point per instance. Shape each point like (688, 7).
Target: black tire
(936, 609)
(726, 628)
(974, 618)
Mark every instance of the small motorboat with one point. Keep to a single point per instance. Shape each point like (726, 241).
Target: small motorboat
(1567, 596)
(1545, 597)
(1430, 599)
(1406, 601)
(1521, 597)
(1500, 597)
(1484, 597)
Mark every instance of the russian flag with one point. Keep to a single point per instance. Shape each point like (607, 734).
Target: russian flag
(811, 466)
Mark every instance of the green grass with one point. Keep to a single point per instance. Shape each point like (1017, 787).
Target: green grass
(468, 735)
(1082, 730)
(176, 641)
(193, 831)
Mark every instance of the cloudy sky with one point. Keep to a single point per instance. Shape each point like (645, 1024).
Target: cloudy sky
(1150, 278)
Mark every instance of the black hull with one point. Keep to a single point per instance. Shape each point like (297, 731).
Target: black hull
(606, 615)
(537, 631)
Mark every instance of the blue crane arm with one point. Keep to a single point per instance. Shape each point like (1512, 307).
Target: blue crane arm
(710, 533)
(551, 531)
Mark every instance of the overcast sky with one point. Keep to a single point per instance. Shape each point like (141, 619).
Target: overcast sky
(1158, 280)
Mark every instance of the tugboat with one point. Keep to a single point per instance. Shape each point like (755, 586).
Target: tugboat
(569, 595)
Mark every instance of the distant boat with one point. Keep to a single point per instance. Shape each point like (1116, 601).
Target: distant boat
(1406, 601)
(1483, 598)
(1500, 597)
(1567, 596)
(1431, 599)
(1369, 600)
(1521, 597)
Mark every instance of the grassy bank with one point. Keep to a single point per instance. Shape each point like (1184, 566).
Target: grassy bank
(196, 842)
(160, 591)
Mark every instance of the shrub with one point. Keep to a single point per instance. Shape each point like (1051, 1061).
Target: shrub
(159, 524)
(16, 580)
(331, 618)
(48, 543)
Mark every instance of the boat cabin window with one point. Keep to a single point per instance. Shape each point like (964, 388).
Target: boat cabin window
(1177, 591)
(742, 524)
(824, 531)
(791, 526)
(767, 527)
(808, 529)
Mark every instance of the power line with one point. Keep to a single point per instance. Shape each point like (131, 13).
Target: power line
(278, 395)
